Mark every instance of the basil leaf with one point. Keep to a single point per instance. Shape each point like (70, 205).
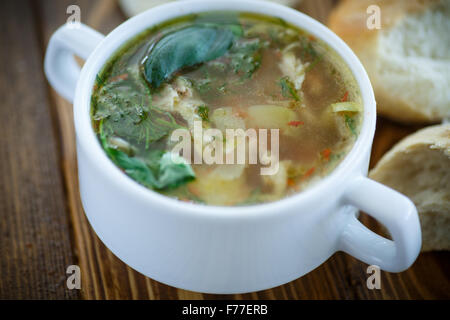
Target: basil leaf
(185, 48)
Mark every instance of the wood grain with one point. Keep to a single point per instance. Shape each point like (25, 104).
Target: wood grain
(35, 245)
(103, 275)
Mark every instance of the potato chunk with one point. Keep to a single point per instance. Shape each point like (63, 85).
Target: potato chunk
(274, 117)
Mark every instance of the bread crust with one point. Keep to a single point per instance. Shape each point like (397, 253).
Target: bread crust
(349, 21)
(419, 167)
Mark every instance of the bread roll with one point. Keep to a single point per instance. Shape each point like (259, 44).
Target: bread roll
(408, 59)
(419, 167)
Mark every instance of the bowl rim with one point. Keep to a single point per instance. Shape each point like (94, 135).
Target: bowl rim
(87, 140)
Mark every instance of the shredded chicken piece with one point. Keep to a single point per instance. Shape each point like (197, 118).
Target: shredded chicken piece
(179, 97)
(292, 67)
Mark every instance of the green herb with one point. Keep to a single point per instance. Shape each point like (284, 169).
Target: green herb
(335, 157)
(153, 126)
(99, 80)
(187, 47)
(288, 89)
(202, 85)
(203, 112)
(313, 64)
(308, 50)
(351, 124)
(129, 113)
(246, 57)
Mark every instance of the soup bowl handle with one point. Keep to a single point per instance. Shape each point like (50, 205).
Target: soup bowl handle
(61, 69)
(392, 209)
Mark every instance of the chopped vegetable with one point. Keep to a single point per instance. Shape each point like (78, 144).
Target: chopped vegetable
(309, 173)
(291, 182)
(232, 191)
(173, 171)
(134, 167)
(326, 154)
(272, 117)
(161, 173)
(308, 51)
(202, 85)
(313, 64)
(351, 124)
(225, 118)
(288, 89)
(230, 70)
(295, 123)
(246, 57)
(346, 107)
(203, 112)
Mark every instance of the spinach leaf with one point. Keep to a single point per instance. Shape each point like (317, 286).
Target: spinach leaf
(134, 167)
(173, 171)
(187, 47)
(159, 172)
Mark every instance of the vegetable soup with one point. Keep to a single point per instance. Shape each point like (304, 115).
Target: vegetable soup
(226, 70)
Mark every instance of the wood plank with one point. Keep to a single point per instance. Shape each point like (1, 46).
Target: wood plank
(341, 277)
(104, 275)
(34, 233)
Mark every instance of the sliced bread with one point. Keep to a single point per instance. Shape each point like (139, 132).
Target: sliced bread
(419, 167)
(408, 59)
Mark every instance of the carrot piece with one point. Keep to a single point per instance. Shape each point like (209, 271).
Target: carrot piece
(345, 97)
(120, 77)
(309, 173)
(326, 154)
(290, 182)
(295, 123)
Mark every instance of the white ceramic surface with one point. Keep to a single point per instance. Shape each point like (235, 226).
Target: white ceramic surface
(228, 249)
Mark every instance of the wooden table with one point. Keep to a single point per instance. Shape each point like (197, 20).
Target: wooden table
(42, 225)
